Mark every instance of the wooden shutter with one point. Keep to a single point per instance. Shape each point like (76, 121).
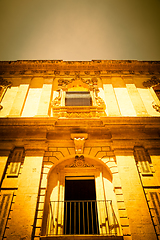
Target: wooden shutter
(5, 204)
(78, 99)
(153, 197)
(143, 161)
(15, 163)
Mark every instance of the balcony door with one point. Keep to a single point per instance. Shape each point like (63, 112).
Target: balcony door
(80, 210)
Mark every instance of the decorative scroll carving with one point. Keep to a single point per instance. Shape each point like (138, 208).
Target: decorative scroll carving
(62, 83)
(5, 83)
(99, 102)
(87, 72)
(56, 72)
(67, 72)
(91, 82)
(152, 82)
(156, 107)
(57, 101)
(78, 112)
(79, 162)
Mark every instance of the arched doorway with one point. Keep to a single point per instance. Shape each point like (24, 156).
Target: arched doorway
(80, 199)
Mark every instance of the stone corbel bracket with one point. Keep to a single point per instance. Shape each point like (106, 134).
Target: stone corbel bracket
(79, 141)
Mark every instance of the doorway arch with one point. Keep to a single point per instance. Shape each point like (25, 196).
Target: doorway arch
(78, 168)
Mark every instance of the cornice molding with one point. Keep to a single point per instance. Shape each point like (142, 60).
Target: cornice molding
(32, 122)
(5, 83)
(152, 82)
(108, 122)
(93, 67)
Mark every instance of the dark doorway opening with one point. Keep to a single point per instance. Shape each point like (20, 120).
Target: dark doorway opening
(80, 210)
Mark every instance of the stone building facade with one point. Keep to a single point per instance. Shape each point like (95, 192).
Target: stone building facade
(79, 150)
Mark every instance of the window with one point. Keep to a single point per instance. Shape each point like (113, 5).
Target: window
(78, 98)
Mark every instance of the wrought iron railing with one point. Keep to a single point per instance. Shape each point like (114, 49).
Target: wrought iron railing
(82, 217)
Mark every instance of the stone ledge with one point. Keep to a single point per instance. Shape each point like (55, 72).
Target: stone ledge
(110, 122)
(81, 237)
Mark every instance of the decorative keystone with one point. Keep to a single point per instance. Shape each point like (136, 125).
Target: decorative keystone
(79, 140)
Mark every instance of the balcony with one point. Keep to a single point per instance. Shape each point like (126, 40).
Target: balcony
(82, 220)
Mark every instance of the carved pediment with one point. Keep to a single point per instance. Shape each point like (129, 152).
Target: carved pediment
(88, 83)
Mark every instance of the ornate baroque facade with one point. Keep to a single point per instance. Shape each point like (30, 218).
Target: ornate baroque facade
(79, 150)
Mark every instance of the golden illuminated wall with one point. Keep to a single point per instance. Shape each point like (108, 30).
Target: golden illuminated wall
(122, 90)
(117, 138)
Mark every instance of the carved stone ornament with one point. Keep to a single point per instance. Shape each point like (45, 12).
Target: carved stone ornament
(152, 82)
(63, 83)
(79, 140)
(156, 107)
(57, 101)
(79, 145)
(79, 162)
(100, 102)
(5, 83)
(90, 82)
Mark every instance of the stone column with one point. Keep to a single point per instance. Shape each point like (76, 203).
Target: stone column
(22, 217)
(139, 217)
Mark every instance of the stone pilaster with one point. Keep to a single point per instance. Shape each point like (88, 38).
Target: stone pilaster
(111, 101)
(139, 217)
(19, 101)
(44, 100)
(136, 100)
(24, 208)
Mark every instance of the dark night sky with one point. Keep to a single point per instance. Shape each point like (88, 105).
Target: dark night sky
(79, 29)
